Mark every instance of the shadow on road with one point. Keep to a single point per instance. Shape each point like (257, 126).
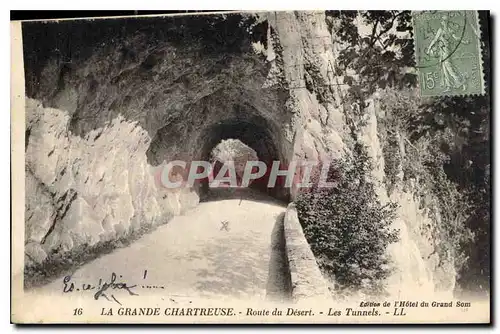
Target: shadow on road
(278, 280)
(242, 194)
(234, 270)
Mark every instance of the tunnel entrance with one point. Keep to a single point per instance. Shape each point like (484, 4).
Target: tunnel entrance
(242, 141)
(180, 92)
(232, 101)
(229, 160)
(235, 154)
(248, 114)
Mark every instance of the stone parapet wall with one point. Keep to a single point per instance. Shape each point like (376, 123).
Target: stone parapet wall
(307, 282)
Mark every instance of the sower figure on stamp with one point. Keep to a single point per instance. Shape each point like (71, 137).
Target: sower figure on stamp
(451, 78)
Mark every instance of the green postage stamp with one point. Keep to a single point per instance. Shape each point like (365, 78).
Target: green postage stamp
(448, 53)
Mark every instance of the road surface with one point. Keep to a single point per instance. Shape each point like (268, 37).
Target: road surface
(223, 248)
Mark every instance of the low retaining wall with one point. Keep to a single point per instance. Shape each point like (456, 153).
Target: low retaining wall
(307, 282)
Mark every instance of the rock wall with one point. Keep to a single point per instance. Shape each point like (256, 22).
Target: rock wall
(305, 55)
(306, 51)
(418, 270)
(80, 191)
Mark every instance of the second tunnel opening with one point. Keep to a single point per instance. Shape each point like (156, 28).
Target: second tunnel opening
(236, 143)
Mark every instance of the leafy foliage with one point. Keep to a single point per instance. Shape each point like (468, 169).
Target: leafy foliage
(381, 58)
(442, 143)
(348, 228)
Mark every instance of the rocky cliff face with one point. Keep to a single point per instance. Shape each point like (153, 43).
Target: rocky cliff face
(305, 55)
(98, 125)
(81, 191)
(308, 55)
(418, 268)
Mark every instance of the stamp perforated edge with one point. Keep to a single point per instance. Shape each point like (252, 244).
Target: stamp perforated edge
(481, 58)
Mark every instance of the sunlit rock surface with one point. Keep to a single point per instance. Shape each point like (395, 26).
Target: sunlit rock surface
(101, 120)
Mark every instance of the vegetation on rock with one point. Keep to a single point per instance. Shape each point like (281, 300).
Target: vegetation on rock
(437, 147)
(348, 228)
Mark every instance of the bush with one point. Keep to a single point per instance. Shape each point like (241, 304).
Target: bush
(347, 228)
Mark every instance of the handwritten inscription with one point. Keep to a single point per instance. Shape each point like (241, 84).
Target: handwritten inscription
(104, 289)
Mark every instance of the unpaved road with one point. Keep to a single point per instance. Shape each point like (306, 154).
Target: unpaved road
(196, 255)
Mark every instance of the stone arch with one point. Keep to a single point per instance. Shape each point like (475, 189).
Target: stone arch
(256, 136)
(242, 122)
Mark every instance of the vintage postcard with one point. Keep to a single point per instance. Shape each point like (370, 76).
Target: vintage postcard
(322, 167)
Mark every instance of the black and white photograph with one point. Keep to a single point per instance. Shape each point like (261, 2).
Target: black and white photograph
(316, 167)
